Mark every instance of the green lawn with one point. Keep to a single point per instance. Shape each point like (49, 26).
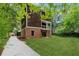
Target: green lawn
(2, 44)
(55, 46)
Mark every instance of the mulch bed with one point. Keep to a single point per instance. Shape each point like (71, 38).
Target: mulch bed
(1, 49)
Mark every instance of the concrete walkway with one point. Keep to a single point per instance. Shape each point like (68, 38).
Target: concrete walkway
(15, 47)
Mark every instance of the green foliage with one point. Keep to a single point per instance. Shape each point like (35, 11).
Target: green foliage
(6, 19)
(10, 14)
(70, 14)
(71, 20)
(49, 11)
(34, 7)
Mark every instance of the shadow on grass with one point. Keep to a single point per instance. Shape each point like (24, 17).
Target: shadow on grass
(1, 49)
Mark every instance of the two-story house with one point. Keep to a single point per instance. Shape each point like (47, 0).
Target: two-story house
(34, 26)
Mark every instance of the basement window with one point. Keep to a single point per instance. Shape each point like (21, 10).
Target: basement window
(43, 32)
(32, 33)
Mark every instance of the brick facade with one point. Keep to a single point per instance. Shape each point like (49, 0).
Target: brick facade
(48, 33)
(37, 32)
(27, 32)
(23, 33)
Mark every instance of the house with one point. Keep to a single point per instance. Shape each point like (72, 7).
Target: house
(33, 26)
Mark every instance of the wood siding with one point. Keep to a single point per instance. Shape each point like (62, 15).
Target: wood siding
(34, 20)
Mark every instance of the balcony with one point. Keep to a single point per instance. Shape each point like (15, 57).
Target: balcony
(46, 25)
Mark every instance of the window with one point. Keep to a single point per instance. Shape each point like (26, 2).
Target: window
(43, 32)
(18, 33)
(43, 25)
(49, 24)
(32, 33)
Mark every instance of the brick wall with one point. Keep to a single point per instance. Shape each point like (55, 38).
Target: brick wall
(48, 33)
(23, 32)
(27, 32)
(37, 32)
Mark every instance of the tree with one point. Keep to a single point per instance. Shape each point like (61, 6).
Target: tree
(70, 20)
(9, 16)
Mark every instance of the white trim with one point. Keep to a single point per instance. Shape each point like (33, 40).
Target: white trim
(32, 27)
(37, 28)
(45, 21)
(26, 18)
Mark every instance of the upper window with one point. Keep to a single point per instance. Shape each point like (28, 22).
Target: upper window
(43, 25)
(48, 24)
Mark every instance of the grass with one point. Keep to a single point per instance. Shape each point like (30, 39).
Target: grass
(2, 44)
(55, 46)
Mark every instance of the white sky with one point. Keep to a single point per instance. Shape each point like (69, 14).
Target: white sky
(39, 1)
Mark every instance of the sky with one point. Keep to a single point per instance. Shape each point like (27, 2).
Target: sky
(39, 1)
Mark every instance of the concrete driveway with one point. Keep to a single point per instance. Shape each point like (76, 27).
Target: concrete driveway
(15, 47)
